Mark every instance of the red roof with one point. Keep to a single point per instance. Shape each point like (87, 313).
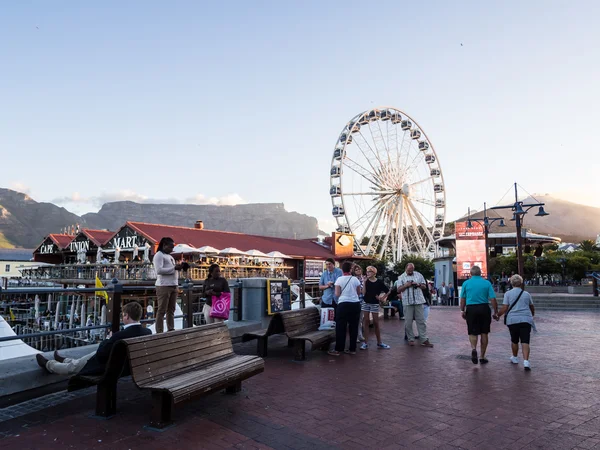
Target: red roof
(300, 248)
(98, 237)
(61, 240)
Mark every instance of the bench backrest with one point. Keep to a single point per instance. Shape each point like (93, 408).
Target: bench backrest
(161, 356)
(300, 321)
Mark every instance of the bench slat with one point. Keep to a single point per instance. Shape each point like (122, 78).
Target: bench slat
(181, 339)
(151, 355)
(315, 336)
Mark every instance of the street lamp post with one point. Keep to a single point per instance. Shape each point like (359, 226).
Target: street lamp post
(519, 210)
(487, 223)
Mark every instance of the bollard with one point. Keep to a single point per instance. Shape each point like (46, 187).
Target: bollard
(188, 304)
(302, 294)
(113, 313)
(595, 285)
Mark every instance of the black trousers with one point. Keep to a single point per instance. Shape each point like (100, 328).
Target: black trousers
(346, 315)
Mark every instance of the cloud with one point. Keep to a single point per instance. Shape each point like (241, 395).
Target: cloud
(229, 200)
(21, 187)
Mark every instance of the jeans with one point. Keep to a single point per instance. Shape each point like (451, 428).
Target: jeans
(70, 366)
(416, 313)
(166, 297)
(347, 315)
(398, 304)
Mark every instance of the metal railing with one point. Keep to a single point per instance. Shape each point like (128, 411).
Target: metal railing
(190, 299)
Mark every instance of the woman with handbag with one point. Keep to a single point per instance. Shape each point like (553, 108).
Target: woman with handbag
(347, 315)
(518, 311)
(214, 286)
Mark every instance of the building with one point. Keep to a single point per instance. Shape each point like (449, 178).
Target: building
(11, 260)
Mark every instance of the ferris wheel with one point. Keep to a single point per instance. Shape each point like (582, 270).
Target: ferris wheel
(387, 186)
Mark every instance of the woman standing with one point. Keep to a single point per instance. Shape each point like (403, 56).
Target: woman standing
(213, 285)
(375, 292)
(167, 279)
(347, 289)
(519, 310)
(358, 273)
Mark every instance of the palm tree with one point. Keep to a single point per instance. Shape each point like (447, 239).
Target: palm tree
(588, 246)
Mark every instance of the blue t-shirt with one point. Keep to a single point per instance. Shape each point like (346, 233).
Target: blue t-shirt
(477, 291)
(328, 294)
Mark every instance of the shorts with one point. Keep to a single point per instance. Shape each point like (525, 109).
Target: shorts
(369, 307)
(520, 332)
(479, 319)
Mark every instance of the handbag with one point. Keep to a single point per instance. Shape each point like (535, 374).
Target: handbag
(513, 304)
(220, 306)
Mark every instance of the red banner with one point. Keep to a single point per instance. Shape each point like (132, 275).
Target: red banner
(470, 249)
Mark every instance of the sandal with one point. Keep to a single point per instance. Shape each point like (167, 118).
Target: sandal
(333, 353)
(427, 344)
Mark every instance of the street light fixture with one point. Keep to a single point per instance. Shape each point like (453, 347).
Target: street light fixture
(519, 210)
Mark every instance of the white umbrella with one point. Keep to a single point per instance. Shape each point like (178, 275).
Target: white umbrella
(117, 254)
(184, 249)
(99, 255)
(207, 249)
(56, 316)
(257, 253)
(82, 321)
(37, 306)
(278, 255)
(136, 250)
(49, 302)
(147, 252)
(231, 251)
(103, 315)
(72, 314)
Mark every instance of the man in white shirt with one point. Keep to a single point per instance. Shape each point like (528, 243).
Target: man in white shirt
(410, 285)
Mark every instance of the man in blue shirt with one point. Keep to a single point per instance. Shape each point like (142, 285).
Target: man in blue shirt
(327, 284)
(475, 295)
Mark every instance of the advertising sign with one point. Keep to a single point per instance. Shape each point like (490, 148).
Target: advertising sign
(278, 296)
(313, 270)
(470, 249)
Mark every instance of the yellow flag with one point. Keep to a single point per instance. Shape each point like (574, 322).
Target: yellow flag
(103, 294)
(12, 315)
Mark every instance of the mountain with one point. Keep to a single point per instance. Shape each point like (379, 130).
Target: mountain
(24, 222)
(569, 221)
(264, 219)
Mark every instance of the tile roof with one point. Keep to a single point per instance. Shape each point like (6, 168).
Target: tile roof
(61, 240)
(222, 239)
(98, 237)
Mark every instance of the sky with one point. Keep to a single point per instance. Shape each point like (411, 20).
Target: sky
(242, 102)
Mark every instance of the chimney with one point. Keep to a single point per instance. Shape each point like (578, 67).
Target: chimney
(199, 225)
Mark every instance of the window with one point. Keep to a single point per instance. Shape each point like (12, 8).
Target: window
(7, 268)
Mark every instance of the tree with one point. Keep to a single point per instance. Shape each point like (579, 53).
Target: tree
(548, 266)
(424, 266)
(587, 246)
(503, 264)
(577, 266)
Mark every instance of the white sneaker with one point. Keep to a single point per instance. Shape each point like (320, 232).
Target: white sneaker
(526, 365)
(514, 359)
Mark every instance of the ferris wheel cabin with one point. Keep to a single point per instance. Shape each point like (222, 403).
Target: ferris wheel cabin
(337, 211)
(335, 191)
(423, 146)
(440, 203)
(354, 127)
(343, 229)
(415, 134)
(396, 118)
(338, 153)
(438, 188)
(406, 125)
(386, 115)
(435, 172)
(429, 159)
(335, 171)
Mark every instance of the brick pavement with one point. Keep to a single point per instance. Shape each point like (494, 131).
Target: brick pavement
(406, 397)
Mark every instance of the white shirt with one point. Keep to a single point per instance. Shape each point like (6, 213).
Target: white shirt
(166, 275)
(411, 296)
(130, 325)
(348, 284)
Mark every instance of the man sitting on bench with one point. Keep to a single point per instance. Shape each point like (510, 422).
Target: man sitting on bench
(95, 363)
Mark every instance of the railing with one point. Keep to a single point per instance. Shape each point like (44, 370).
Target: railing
(29, 328)
(145, 271)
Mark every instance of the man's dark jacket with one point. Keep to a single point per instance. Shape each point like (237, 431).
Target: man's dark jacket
(97, 363)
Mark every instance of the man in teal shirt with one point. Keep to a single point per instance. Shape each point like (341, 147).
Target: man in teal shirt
(475, 296)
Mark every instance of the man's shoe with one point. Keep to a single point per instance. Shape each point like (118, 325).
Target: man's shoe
(526, 365)
(58, 358)
(474, 358)
(427, 344)
(514, 359)
(42, 362)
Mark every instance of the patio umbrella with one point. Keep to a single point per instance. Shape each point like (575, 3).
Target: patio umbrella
(257, 254)
(117, 255)
(103, 315)
(184, 249)
(207, 249)
(136, 251)
(82, 323)
(56, 315)
(72, 314)
(37, 306)
(147, 252)
(279, 255)
(99, 255)
(49, 302)
(231, 251)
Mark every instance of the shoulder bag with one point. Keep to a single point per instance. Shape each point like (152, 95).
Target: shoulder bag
(512, 305)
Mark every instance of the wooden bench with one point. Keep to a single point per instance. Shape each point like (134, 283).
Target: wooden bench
(179, 365)
(388, 311)
(106, 392)
(303, 325)
(275, 327)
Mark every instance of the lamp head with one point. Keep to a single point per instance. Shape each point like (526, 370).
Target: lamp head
(519, 209)
(514, 217)
(541, 212)
(469, 224)
(486, 222)
(501, 224)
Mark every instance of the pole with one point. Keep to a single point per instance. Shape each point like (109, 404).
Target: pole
(520, 265)
(486, 232)
(114, 305)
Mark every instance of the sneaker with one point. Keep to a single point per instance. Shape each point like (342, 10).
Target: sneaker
(514, 359)
(365, 346)
(382, 345)
(526, 365)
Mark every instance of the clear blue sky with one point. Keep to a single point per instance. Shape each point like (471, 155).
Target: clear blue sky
(198, 100)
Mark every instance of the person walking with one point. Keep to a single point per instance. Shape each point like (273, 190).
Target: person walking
(444, 293)
(411, 284)
(167, 280)
(475, 298)
(347, 290)
(358, 273)
(214, 284)
(374, 293)
(327, 284)
(518, 310)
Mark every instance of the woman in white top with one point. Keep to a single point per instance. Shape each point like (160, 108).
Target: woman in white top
(347, 290)
(167, 280)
